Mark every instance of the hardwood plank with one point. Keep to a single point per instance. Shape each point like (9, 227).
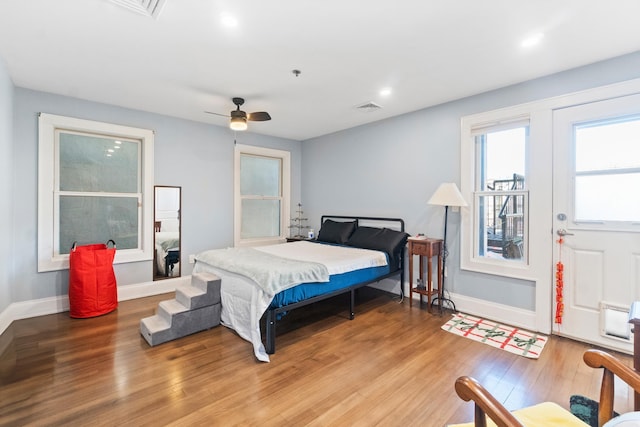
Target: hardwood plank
(391, 365)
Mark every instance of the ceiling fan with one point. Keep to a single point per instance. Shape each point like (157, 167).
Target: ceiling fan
(239, 118)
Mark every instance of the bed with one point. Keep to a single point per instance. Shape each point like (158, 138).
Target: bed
(167, 246)
(267, 282)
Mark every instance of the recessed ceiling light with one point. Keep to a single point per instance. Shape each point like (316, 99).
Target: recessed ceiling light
(532, 40)
(228, 20)
(385, 91)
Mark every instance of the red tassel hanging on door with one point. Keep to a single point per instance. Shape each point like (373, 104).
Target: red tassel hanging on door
(559, 284)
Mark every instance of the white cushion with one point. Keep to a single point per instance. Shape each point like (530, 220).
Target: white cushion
(630, 419)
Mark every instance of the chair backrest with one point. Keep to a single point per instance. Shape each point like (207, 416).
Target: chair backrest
(486, 405)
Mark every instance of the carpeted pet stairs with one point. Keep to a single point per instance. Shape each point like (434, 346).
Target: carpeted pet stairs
(195, 308)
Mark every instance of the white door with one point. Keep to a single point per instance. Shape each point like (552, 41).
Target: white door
(596, 202)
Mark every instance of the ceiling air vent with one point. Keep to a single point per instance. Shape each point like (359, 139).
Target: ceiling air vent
(145, 7)
(368, 106)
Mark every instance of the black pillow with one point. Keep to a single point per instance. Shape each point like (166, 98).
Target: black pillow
(336, 232)
(379, 239)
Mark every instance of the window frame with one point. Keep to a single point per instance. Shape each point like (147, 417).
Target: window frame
(285, 195)
(48, 195)
(480, 191)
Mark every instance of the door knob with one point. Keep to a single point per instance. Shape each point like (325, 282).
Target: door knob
(562, 232)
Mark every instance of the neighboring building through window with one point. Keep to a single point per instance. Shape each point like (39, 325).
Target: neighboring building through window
(500, 199)
(262, 187)
(94, 181)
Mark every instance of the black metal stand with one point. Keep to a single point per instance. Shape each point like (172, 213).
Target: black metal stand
(441, 298)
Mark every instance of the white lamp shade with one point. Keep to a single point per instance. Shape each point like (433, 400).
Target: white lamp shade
(447, 195)
(238, 123)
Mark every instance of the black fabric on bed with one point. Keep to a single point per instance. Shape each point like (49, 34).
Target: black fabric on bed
(336, 232)
(380, 239)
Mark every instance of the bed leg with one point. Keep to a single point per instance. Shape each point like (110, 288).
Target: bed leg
(352, 313)
(271, 332)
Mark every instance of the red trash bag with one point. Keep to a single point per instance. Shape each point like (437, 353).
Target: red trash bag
(92, 283)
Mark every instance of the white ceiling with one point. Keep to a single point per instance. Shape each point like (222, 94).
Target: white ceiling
(185, 61)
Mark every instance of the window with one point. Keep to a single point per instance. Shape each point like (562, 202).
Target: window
(607, 170)
(94, 183)
(500, 199)
(495, 227)
(261, 195)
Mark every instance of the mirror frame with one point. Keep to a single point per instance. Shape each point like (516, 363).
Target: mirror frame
(155, 272)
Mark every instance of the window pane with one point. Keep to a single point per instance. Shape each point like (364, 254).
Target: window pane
(501, 228)
(608, 197)
(608, 145)
(89, 163)
(89, 220)
(260, 218)
(501, 157)
(259, 176)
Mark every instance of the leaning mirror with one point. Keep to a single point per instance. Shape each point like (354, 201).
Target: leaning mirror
(166, 226)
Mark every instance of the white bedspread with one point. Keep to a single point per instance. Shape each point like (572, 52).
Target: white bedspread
(244, 301)
(272, 273)
(337, 259)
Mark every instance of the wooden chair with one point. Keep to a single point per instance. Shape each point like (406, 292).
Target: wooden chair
(157, 225)
(487, 406)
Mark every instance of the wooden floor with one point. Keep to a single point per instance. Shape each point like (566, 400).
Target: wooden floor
(390, 366)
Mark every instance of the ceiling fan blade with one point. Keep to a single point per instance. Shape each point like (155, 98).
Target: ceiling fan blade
(260, 116)
(217, 114)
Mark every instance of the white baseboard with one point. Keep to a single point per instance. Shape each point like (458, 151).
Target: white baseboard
(60, 303)
(513, 316)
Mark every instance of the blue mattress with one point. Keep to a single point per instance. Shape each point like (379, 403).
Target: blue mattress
(305, 291)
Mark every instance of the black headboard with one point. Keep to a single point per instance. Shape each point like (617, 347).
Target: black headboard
(393, 223)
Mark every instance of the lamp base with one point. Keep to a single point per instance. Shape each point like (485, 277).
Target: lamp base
(442, 302)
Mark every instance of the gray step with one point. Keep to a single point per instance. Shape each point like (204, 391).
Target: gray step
(204, 290)
(209, 283)
(195, 308)
(169, 308)
(157, 330)
(194, 297)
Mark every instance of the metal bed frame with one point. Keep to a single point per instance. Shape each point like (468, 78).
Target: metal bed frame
(271, 314)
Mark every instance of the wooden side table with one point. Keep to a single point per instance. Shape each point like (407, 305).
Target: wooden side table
(425, 248)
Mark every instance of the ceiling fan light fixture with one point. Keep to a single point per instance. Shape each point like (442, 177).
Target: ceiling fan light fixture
(239, 117)
(238, 123)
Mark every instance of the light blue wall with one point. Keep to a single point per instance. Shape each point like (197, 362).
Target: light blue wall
(196, 156)
(392, 167)
(6, 186)
(386, 168)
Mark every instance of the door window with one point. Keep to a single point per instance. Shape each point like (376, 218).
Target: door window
(607, 170)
